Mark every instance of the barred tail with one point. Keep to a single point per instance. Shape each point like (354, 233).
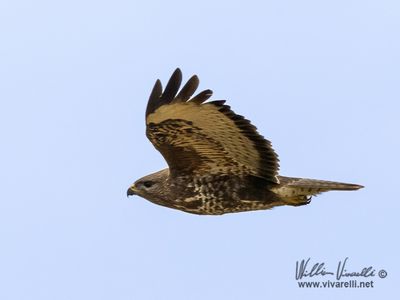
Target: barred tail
(298, 191)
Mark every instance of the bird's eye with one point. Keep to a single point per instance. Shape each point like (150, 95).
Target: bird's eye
(148, 184)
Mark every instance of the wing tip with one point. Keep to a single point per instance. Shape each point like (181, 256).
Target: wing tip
(154, 97)
(178, 70)
(172, 87)
(158, 97)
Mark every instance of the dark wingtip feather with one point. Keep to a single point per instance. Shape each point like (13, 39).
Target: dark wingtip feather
(202, 96)
(220, 103)
(188, 89)
(159, 98)
(154, 97)
(172, 87)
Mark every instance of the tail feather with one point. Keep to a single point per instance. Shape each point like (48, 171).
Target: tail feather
(320, 184)
(298, 191)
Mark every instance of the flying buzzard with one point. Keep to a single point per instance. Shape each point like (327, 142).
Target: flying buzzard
(218, 162)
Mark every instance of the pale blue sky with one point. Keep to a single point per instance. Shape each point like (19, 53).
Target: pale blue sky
(320, 79)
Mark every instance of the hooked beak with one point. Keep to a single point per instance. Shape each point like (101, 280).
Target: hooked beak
(131, 191)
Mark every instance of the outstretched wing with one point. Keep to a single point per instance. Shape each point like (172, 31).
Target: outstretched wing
(198, 137)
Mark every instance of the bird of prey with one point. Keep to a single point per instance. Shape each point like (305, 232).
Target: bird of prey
(218, 162)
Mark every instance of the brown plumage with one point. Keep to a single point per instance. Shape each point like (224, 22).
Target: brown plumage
(218, 162)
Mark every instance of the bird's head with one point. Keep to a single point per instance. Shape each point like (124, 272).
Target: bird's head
(150, 187)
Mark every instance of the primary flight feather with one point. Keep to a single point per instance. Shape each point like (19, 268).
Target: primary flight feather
(218, 162)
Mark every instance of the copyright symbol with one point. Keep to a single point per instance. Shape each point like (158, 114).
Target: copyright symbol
(382, 273)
